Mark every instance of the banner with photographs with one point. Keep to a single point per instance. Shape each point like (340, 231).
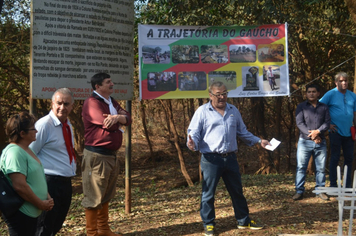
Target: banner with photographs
(182, 61)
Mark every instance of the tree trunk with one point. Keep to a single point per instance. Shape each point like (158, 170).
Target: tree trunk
(143, 118)
(75, 118)
(167, 118)
(191, 109)
(2, 132)
(184, 120)
(290, 135)
(277, 152)
(168, 107)
(266, 158)
(200, 101)
(311, 166)
(1, 3)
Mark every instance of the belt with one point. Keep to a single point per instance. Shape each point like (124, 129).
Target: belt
(226, 154)
(220, 154)
(101, 150)
(60, 178)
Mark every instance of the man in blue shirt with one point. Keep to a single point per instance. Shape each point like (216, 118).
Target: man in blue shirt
(313, 120)
(213, 132)
(342, 108)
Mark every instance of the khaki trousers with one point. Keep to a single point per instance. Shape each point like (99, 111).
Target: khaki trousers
(99, 176)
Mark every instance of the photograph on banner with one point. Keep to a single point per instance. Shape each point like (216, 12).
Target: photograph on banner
(249, 60)
(227, 77)
(271, 53)
(195, 80)
(214, 54)
(185, 54)
(153, 54)
(242, 53)
(250, 78)
(161, 81)
(271, 77)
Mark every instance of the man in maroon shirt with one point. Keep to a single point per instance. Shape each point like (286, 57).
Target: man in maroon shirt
(102, 117)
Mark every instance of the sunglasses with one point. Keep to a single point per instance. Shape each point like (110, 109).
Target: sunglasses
(220, 94)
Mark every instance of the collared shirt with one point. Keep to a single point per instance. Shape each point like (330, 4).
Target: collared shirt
(309, 117)
(269, 73)
(213, 133)
(50, 146)
(341, 108)
(113, 111)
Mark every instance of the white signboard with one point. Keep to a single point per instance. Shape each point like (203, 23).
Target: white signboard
(74, 39)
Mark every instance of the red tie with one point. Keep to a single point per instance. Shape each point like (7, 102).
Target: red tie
(68, 140)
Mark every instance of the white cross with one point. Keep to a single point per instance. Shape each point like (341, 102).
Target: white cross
(344, 194)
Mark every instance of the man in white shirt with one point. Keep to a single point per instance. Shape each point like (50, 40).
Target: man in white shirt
(271, 79)
(54, 147)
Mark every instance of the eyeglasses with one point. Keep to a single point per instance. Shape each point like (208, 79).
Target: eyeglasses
(31, 129)
(220, 94)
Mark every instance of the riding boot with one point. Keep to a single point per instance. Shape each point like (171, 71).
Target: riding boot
(91, 216)
(103, 217)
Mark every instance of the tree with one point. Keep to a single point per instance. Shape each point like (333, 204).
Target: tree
(319, 37)
(14, 61)
(168, 108)
(1, 3)
(319, 40)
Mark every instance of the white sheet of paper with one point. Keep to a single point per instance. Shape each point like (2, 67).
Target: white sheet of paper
(274, 143)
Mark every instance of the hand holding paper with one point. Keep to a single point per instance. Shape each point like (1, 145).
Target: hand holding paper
(275, 143)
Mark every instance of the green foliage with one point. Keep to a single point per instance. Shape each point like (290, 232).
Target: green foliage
(319, 39)
(319, 31)
(15, 55)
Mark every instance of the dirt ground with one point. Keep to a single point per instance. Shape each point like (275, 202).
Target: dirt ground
(161, 204)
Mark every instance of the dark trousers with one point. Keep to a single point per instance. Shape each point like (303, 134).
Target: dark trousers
(347, 144)
(214, 166)
(60, 189)
(21, 224)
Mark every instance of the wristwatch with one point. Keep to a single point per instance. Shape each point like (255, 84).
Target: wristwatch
(260, 141)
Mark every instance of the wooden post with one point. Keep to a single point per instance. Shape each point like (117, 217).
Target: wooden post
(33, 106)
(128, 164)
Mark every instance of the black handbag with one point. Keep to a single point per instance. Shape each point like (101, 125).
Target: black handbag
(10, 200)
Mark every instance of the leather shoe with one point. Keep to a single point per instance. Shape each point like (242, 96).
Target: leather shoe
(323, 196)
(298, 196)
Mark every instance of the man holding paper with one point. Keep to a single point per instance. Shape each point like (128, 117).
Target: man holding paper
(313, 120)
(213, 132)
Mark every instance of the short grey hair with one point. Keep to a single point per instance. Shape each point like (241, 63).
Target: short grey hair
(64, 91)
(341, 74)
(216, 84)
